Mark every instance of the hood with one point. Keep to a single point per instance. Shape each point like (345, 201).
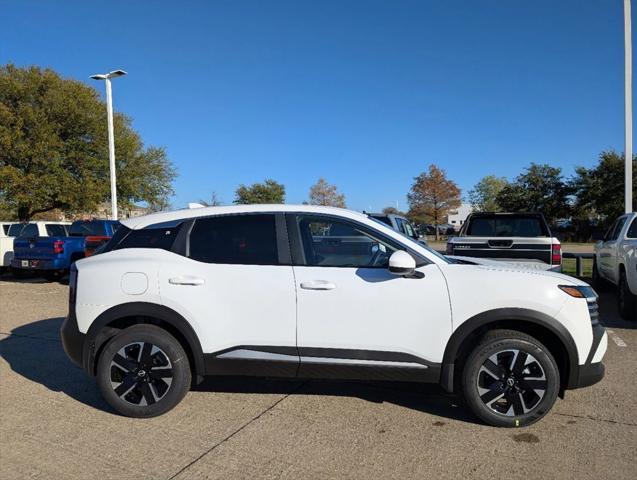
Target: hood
(510, 268)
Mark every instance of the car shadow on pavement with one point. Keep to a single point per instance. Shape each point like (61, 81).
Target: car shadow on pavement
(35, 352)
(427, 398)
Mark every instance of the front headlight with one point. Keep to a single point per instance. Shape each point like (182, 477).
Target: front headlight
(580, 291)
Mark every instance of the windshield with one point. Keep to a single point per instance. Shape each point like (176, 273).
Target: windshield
(15, 229)
(509, 226)
(415, 242)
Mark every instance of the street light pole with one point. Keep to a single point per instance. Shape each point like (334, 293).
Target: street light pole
(111, 135)
(111, 149)
(628, 108)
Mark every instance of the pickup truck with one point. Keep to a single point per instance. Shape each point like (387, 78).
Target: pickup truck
(616, 263)
(52, 256)
(523, 239)
(10, 230)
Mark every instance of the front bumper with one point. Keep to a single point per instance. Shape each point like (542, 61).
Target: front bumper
(72, 339)
(590, 373)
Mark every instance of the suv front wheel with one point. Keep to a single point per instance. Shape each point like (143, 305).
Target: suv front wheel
(143, 371)
(510, 379)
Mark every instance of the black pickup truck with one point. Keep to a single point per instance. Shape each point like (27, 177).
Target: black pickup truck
(523, 239)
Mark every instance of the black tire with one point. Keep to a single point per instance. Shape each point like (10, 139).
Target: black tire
(626, 301)
(527, 383)
(20, 273)
(154, 392)
(597, 282)
(53, 275)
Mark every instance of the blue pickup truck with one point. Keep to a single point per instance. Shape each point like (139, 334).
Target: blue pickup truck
(51, 257)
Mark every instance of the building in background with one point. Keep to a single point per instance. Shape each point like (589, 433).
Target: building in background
(457, 217)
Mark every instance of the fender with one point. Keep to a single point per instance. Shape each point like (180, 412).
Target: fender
(501, 316)
(92, 340)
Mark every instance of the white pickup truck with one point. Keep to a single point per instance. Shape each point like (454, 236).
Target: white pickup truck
(10, 230)
(616, 262)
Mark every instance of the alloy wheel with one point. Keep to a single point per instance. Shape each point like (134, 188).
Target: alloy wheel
(141, 373)
(511, 382)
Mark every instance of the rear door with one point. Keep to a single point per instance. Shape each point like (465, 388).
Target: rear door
(609, 250)
(236, 284)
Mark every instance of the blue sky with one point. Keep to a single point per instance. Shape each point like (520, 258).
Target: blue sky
(365, 93)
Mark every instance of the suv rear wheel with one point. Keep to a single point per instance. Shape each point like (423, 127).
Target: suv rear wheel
(143, 371)
(626, 301)
(510, 379)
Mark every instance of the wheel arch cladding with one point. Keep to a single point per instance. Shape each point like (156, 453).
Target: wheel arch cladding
(115, 319)
(552, 334)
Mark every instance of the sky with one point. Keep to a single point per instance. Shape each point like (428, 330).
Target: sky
(364, 93)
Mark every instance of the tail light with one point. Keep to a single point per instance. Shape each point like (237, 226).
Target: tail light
(449, 249)
(58, 246)
(556, 254)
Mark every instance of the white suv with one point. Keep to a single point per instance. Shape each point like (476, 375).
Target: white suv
(318, 292)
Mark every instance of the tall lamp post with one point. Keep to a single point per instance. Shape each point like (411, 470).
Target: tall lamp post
(628, 107)
(111, 137)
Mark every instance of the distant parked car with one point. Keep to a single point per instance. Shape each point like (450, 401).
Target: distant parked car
(616, 262)
(10, 230)
(518, 238)
(400, 224)
(52, 256)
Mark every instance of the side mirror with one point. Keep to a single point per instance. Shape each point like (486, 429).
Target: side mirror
(401, 263)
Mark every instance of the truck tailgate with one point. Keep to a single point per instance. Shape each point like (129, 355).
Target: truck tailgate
(532, 251)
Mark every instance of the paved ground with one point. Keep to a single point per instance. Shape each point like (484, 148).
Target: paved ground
(53, 423)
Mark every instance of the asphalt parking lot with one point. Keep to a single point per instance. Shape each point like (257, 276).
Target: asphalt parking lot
(54, 424)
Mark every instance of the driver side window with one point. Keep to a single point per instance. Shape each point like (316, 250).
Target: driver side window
(334, 243)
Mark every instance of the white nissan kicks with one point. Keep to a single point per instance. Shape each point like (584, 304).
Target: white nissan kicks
(318, 292)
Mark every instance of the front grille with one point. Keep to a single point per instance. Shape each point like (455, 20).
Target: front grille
(593, 311)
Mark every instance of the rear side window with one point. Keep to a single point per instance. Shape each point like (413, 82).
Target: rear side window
(55, 230)
(149, 238)
(235, 239)
(632, 230)
(509, 226)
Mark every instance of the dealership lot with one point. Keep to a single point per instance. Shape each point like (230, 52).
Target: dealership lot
(54, 424)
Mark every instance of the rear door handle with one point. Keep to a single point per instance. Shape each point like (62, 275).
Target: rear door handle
(186, 280)
(318, 285)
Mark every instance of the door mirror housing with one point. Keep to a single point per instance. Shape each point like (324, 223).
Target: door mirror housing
(401, 263)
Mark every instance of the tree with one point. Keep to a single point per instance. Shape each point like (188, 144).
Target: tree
(214, 201)
(391, 211)
(54, 149)
(600, 190)
(323, 193)
(540, 189)
(432, 196)
(269, 191)
(484, 196)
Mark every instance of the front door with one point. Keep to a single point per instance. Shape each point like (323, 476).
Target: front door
(356, 319)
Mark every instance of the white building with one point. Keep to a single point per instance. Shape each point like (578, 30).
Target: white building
(458, 217)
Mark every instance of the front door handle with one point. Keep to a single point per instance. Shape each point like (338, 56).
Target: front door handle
(186, 280)
(318, 285)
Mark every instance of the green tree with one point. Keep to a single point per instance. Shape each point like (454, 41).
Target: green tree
(484, 196)
(269, 191)
(326, 194)
(600, 190)
(391, 211)
(432, 196)
(54, 149)
(540, 189)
